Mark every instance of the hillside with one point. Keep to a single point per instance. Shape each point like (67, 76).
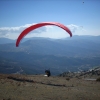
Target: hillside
(35, 55)
(39, 87)
(91, 73)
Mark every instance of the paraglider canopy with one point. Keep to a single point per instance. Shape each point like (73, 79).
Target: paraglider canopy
(27, 30)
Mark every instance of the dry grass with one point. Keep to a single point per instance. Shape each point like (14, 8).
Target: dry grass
(47, 88)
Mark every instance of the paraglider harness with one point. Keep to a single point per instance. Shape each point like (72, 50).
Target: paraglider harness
(48, 73)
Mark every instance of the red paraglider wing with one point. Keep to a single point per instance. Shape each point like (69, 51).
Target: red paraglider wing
(27, 30)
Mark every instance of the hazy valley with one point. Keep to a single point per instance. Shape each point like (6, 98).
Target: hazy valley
(35, 55)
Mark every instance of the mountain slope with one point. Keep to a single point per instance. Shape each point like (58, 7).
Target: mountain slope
(6, 40)
(37, 54)
(77, 46)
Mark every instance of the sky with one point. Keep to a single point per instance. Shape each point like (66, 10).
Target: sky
(82, 17)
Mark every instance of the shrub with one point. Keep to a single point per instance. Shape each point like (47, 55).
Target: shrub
(98, 79)
(68, 78)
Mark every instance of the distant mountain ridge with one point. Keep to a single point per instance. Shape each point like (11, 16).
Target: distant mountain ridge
(6, 40)
(77, 46)
(88, 37)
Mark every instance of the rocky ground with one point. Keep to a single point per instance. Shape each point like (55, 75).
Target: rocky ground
(40, 87)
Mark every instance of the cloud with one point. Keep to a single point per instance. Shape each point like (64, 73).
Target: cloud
(4, 34)
(15, 31)
(76, 30)
(46, 31)
(73, 27)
